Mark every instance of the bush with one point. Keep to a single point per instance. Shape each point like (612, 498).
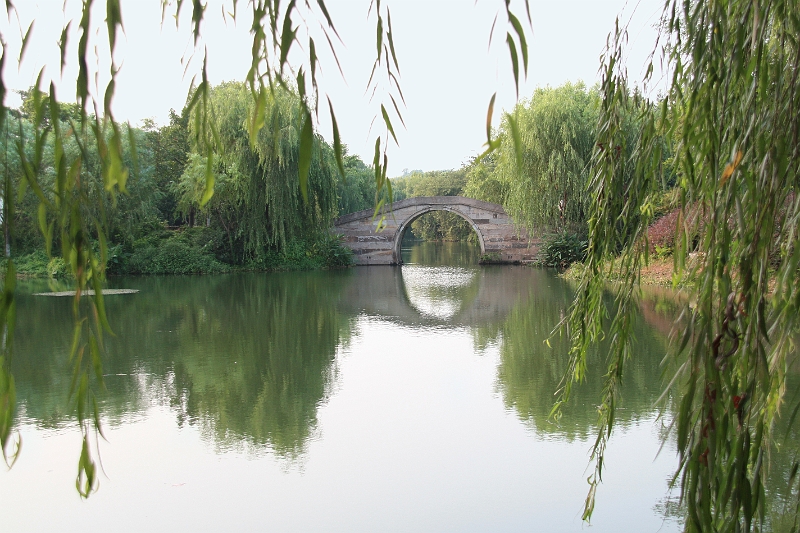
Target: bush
(37, 264)
(661, 234)
(563, 249)
(320, 251)
(172, 256)
(332, 252)
(490, 258)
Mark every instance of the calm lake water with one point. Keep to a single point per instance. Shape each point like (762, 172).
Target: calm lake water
(411, 398)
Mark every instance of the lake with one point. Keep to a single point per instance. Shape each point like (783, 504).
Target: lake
(411, 398)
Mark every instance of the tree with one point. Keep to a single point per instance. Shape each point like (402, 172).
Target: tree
(546, 174)
(170, 145)
(483, 182)
(732, 106)
(356, 189)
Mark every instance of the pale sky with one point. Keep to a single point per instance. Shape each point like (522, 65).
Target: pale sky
(448, 72)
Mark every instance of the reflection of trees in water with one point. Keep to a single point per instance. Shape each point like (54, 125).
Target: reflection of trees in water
(531, 367)
(783, 490)
(530, 372)
(441, 253)
(249, 358)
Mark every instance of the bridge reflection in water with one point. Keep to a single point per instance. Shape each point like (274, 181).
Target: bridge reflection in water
(437, 296)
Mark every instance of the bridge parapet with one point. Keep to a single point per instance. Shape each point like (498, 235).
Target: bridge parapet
(497, 234)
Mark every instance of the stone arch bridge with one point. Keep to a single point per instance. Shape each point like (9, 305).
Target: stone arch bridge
(500, 240)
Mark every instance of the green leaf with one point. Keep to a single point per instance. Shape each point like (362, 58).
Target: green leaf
(82, 88)
(288, 35)
(491, 31)
(198, 8)
(25, 41)
(391, 39)
(327, 15)
(306, 149)
(113, 19)
(376, 165)
(517, 138)
(512, 49)
(397, 110)
(489, 114)
(523, 43)
(312, 58)
(301, 85)
(379, 38)
(388, 122)
(337, 142)
(210, 179)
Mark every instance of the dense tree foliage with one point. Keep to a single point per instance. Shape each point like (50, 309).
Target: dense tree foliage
(258, 199)
(160, 225)
(547, 179)
(732, 110)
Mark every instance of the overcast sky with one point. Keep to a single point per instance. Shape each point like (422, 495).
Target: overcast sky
(448, 71)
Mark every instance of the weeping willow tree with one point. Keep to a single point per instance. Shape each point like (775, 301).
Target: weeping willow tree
(258, 199)
(733, 109)
(547, 172)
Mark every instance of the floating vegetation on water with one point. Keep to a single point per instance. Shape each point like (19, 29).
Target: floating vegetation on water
(89, 292)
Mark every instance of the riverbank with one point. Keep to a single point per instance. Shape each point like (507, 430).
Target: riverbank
(658, 272)
(193, 252)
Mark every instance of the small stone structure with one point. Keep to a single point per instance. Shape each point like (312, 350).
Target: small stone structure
(500, 240)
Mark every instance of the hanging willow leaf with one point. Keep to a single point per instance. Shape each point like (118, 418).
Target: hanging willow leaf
(388, 122)
(208, 192)
(489, 114)
(306, 149)
(327, 15)
(379, 38)
(512, 50)
(397, 110)
(25, 41)
(391, 40)
(523, 43)
(113, 20)
(337, 142)
(82, 89)
(312, 58)
(198, 8)
(491, 32)
(726, 116)
(288, 35)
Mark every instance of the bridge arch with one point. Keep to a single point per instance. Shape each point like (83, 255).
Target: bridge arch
(500, 239)
(401, 229)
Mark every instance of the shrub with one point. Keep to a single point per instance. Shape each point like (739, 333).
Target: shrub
(490, 258)
(661, 234)
(37, 264)
(173, 257)
(332, 252)
(319, 251)
(563, 249)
